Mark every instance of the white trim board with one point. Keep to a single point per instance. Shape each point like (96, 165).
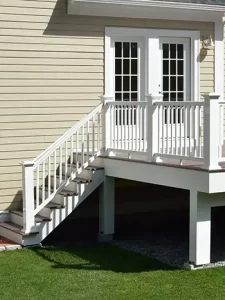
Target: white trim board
(146, 9)
(151, 35)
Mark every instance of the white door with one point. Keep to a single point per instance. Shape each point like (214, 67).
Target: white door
(129, 86)
(175, 83)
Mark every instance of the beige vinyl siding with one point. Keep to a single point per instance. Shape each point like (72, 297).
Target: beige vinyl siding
(52, 74)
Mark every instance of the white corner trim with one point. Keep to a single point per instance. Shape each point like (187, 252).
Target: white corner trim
(219, 59)
(219, 67)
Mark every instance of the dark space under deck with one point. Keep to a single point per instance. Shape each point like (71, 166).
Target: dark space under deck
(158, 220)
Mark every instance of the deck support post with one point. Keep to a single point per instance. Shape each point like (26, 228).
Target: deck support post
(211, 131)
(200, 229)
(106, 209)
(153, 127)
(28, 197)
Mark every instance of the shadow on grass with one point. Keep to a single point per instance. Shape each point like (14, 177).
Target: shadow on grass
(100, 257)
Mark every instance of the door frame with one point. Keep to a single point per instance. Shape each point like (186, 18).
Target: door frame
(151, 37)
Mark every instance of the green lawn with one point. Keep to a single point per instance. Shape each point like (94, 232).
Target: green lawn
(101, 272)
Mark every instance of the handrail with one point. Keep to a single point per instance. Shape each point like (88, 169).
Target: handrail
(127, 103)
(40, 158)
(179, 103)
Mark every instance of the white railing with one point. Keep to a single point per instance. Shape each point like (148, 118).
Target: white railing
(127, 125)
(180, 129)
(53, 169)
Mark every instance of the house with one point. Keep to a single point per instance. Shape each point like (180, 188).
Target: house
(93, 90)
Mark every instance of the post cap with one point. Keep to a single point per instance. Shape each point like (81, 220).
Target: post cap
(106, 98)
(156, 97)
(211, 96)
(27, 163)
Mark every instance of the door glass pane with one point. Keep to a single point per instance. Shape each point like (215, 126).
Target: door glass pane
(126, 71)
(126, 79)
(173, 71)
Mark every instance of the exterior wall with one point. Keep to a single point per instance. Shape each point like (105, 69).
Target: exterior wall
(51, 75)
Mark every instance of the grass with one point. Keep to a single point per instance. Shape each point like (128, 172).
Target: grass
(101, 272)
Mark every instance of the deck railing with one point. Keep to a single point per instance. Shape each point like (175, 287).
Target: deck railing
(186, 130)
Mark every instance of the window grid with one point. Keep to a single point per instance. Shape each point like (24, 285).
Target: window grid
(173, 72)
(126, 71)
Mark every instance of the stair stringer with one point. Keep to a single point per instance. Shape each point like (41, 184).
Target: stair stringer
(58, 215)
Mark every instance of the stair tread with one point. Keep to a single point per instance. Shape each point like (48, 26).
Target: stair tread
(87, 168)
(63, 192)
(82, 179)
(15, 228)
(38, 217)
(54, 205)
(12, 226)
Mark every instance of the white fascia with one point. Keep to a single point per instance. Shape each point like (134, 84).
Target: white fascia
(147, 9)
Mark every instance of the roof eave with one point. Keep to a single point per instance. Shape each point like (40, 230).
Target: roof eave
(158, 4)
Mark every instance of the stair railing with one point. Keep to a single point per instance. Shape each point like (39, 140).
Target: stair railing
(60, 163)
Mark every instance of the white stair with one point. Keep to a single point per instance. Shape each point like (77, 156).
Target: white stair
(57, 181)
(54, 212)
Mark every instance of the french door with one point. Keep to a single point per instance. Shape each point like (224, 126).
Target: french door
(148, 65)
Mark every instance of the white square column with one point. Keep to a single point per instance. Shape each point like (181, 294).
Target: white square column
(106, 209)
(200, 229)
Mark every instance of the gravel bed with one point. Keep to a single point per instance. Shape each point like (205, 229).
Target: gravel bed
(171, 248)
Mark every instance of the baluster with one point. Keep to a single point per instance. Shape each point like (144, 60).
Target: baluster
(163, 128)
(176, 123)
(140, 125)
(167, 129)
(190, 129)
(129, 127)
(37, 188)
(66, 154)
(98, 142)
(71, 154)
(185, 131)
(181, 135)
(49, 175)
(125, 127)
(55, 157)
(198, 129)
(82, 147)
(136, 129)
(77, 149)
(93, 135)
(114, 126)
(171, 129)
(194, 131)
(88, 133)
(143, 127)
(118, 125)
(43, 181)
(60, 164)
(133, 128)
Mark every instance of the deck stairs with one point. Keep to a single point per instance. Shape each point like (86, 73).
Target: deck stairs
(57, 182)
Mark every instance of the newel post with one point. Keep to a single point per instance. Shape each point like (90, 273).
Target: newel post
(28, 197)
(153, 127)
(211, 131)
(106, 118)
